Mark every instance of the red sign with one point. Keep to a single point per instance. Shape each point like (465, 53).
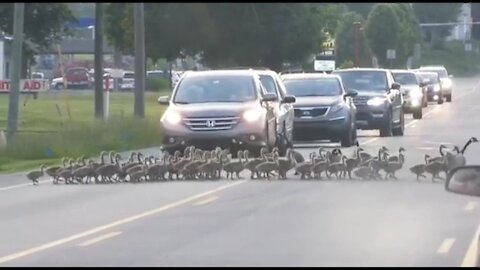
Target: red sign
(28, 85)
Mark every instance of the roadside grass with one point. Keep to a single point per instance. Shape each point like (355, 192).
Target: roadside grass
(454, 57)
(48, 132)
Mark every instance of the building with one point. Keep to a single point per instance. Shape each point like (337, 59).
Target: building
(5, 52)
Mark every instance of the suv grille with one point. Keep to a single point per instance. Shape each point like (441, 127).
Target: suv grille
(210, 123)
(311, 112)
(360, 101)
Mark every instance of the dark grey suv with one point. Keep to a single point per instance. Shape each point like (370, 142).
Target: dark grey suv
(379, 101)
(323, 109)
(226, 108)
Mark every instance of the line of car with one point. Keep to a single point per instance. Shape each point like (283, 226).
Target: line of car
(255, 108)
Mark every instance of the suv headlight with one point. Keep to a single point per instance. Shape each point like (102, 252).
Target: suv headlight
(377, 101)
(251, 115)
(436, 88)
(416, 93)
(172, 117)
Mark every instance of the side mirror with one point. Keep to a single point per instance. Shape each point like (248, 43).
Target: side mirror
(395, 86)
(464, 180)
(450, 76)
(289, 99)
(269, 97)
(351, 93)
(164, 100)
(422, 84)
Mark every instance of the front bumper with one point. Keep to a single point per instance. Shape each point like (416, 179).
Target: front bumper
(242, 135)
(326, 129)
(371, 117)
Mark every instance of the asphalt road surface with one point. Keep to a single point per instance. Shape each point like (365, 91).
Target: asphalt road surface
(258, 223)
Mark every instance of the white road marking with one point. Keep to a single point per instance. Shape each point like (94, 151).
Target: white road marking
(22, 185)
(437, 143)
(427, 148)
(98, 239)
(470, 258)
(114, 224)
(411, 123)
(446, 246)
(207, 200)
(369, 141)
(470, 206)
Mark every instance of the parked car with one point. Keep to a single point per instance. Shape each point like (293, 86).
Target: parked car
(77, 77)
(445, 80)
(430, 81)
(127, 82)
(379, 101)
(414, 96)
(323, 108)
(38, 75)
(226, 108)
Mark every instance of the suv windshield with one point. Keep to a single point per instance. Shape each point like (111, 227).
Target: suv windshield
(364, 80)
(220, 88)
(405, 78)
(313, 87)
(442, 73)
(429, 78)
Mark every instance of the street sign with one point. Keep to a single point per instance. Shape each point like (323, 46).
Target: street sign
(26, 85)
(324, 65)
(391, 54)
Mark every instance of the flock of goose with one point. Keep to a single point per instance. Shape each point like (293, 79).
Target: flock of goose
(195, 164)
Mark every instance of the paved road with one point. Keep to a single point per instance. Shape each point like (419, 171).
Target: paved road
(257, 223)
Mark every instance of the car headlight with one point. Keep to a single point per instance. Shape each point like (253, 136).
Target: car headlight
(251, 115)
(447, 83)
(416, 93)
(376, 101)
(172, 117)
(436, 88)
(336, 108)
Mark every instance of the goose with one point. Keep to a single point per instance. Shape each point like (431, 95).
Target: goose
(189, 171)
(52, 171)
(137, 176)
(65, 173)
(378, 163)
(393, 166)
(435, 167)
(251, 165)
(305, 168)
(419, 169)
(366, 158)
(458, 160)
(319, 166)
(286, 164)
(106, 172)
(267, 167)
(235, 166)
(158, 170)
(82, 172)
(396, 158)
(338, 167)
(352, 163)
(442, 154)
(35, 175)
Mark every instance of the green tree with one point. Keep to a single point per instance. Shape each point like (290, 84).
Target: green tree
(44, 25)
(382, 31)
(345, 40)
(437, 13)
(360, 8)
(409, 33)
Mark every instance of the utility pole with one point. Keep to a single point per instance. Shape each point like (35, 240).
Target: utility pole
(357, 53)
(18, 14)
(139, 21)
(98, 65)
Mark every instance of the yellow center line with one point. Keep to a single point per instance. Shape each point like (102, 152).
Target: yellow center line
(446, 246)
(98, 239)
(65, 240)
(470, 206)
(207, 200)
